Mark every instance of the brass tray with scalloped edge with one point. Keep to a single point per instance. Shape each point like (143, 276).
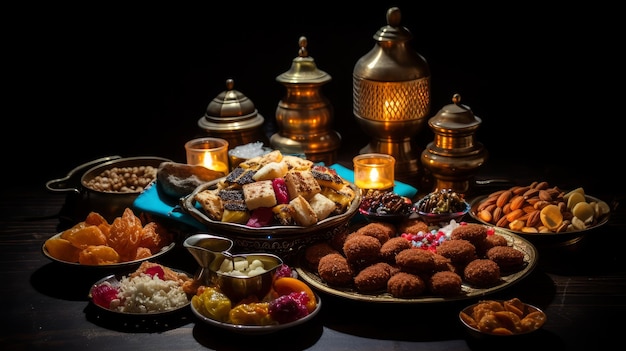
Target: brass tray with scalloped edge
(530, 259)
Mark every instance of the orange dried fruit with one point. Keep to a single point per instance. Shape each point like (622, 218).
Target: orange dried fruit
(508, 319)
(501, 331)
(62, 249)
(142, 252)
(485, 307)
(94, 218)
(150, 238)
(87, 236)
(125, 234)
(533, 320)
(514, 305)
(67, 232)
(488, 322)
(98, 255)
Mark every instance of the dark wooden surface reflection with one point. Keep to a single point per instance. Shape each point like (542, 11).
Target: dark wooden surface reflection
(581, 287)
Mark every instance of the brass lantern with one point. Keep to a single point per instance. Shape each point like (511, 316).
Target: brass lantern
(304, 116)
(391, 94)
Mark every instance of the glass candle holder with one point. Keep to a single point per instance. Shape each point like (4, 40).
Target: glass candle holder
(211, 153)
(374, 171)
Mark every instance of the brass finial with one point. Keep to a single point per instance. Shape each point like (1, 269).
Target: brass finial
(303, 52)
(230, 84)
(394, 16)
(456, 98)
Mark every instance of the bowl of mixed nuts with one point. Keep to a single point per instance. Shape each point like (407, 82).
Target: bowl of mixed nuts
(541, 212)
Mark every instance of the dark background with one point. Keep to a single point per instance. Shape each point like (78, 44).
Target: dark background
(81, 83)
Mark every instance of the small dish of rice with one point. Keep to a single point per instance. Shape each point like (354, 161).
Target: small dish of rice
(139, 294)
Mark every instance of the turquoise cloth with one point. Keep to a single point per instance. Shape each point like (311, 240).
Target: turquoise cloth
(155, 202)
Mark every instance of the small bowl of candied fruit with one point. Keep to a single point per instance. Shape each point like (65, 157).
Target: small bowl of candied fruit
(501, 318)
(442, 206)
(385, 206)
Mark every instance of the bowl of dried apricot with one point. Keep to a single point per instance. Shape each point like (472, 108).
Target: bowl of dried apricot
(501, 318)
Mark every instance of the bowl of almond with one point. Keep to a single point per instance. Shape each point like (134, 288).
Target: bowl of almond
(275, 203)
(542, 213)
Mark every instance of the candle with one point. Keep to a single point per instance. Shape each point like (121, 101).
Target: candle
(211, 153)
(374, 171)
(210, 161)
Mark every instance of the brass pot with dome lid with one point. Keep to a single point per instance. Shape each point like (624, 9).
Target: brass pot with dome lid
(232, 116)
(454, 155)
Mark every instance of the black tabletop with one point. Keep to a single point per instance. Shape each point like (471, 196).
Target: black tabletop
(580, 286)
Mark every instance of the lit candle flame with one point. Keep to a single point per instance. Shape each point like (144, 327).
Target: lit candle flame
(209, 162)
(374, 175)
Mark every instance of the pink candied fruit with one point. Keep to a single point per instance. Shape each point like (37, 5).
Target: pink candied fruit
(283, 271)
(280, 189)
(289, 308)
(260, 217)
(103, 294)
(156, 271)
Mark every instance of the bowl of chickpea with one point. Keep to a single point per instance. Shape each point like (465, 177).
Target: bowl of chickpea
(109, 185)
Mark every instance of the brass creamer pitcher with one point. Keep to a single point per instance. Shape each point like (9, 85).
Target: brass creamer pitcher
(209, 251)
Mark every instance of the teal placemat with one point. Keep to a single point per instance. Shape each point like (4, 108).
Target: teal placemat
(155, 202)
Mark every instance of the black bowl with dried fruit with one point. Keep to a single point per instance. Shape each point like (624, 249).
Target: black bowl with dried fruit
(386, 206)
(442, 206)
(501, 318)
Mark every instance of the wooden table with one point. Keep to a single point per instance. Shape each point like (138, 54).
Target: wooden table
(581, 287)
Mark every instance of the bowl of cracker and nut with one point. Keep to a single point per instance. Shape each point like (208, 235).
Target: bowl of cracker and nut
(275, 203)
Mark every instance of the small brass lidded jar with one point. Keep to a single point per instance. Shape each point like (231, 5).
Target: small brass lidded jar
(304, 116)
(233, 117)
(454, 155)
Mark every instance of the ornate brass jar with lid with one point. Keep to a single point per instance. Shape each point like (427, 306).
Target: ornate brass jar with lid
(454, 155)
(232, 116)
(304, 116)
